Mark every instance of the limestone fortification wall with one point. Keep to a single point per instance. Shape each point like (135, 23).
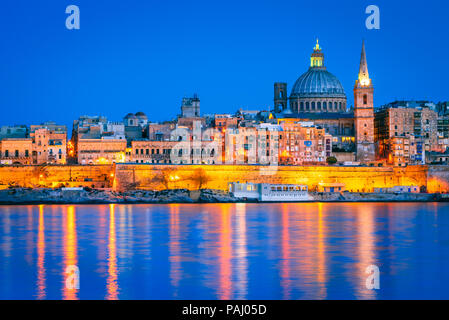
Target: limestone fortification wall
(438, 179)
(363, 179)
(158, 177)
(55, 175)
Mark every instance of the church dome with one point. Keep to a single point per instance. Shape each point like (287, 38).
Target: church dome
(317, 82)
(317, 90)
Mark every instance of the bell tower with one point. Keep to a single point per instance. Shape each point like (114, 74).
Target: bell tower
(280, 96)
(364, 113)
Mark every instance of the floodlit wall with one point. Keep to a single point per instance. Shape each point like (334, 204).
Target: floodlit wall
(158, 177)
(362, 179)
(101, 176)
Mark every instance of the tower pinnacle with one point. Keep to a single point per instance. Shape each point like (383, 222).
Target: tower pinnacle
(363, 80)
(317, 47)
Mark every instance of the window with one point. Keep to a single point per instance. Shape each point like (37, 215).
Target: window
(365, 99)
(16, 153)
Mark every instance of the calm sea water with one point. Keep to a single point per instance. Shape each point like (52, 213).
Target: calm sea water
(225, 251)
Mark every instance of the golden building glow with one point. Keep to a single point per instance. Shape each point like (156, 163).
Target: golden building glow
(285, 253)
(112, 283)
(175, 248)
(366, 241)
(41, 293)
(241, 254)
(70, 250)
(225, 253)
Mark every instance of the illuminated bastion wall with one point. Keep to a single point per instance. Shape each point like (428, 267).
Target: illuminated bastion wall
(356, 179)
(158, 177)
(101, 176)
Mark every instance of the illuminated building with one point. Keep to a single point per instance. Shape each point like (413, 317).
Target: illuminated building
(156, 152)
(364, 113)
(98, 141)
(225, 121)
(407, 120)
(49, 143)
(15, 151)
(304, 143)
(404, 151)
(317, 90)
(181, 146)
(101, 151)
(318, 96)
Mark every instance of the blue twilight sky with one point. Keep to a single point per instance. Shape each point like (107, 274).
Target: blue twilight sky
(138, 55)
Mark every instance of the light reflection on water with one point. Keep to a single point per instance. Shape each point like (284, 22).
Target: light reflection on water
(225, 251)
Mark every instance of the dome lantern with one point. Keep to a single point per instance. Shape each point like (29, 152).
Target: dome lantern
(317, 58)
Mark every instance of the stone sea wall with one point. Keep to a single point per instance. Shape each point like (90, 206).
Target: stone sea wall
(20, 196)
(191, 177)
(101, 176)
(356, 179)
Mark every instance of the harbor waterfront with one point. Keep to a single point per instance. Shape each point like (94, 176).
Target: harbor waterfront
(225, 251)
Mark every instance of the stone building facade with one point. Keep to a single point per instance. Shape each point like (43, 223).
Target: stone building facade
(16, 151)
(402, 119)
(49, 144)
(101, 151)
(304, 143)
(364, 113)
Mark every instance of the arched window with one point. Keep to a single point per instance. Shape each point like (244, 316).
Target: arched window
(365, 99)
(324, 105)
(313, 106)
(335, 106)
(319, 106)
(307, 106)
(302, 106)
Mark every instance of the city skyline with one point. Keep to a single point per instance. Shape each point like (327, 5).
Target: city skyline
(67, 75)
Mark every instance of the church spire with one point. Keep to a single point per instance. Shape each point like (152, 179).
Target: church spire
(364, 79)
